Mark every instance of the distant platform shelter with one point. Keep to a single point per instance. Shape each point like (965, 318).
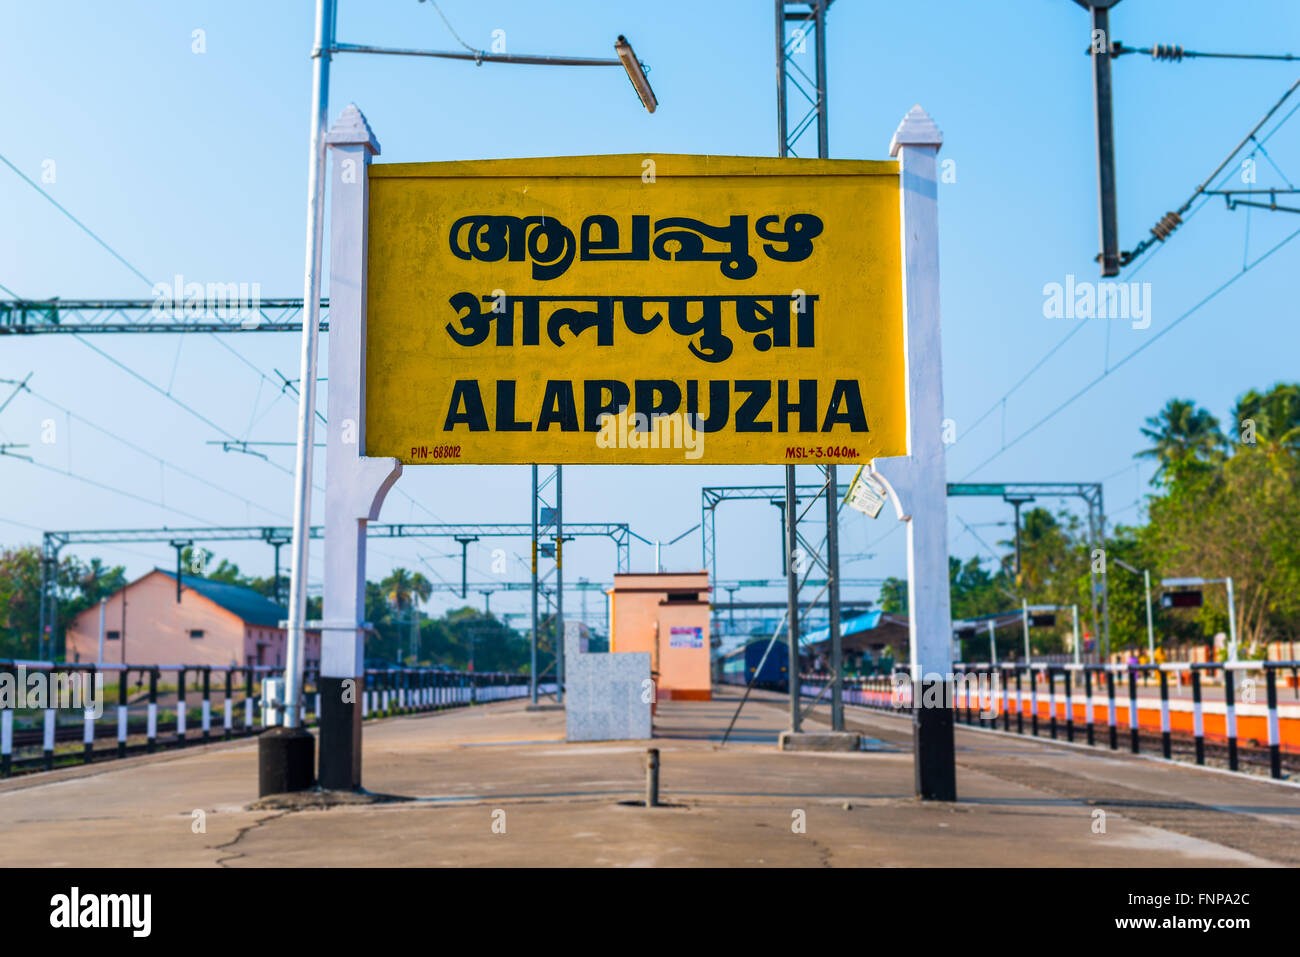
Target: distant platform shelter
(863, 639)
(666, 614)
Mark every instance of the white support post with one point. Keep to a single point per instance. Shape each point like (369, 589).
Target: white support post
(1232, 623)
(1024, 621)
(1074, 612)
(1151, 629)
(355, 485)
(921, 475)
(306, 445)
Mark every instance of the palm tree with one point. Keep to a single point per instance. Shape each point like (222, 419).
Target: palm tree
(97, 580)
(402, 587)
(1183, 434)
(1275, 416)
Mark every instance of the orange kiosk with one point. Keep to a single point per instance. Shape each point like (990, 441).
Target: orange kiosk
(666, 614)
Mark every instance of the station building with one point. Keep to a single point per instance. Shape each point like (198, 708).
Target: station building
(213, 623)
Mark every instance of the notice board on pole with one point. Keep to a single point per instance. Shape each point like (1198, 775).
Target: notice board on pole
(636, 309)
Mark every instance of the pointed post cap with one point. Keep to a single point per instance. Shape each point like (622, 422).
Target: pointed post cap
(917, 129)
(351, 129)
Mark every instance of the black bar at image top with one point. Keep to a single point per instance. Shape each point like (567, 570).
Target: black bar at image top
(1274, 735)
(1229, 704)
(1135, 743)
(1166, 738)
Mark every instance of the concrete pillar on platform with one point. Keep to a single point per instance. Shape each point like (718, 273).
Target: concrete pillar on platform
(355, 485)
(917, 482)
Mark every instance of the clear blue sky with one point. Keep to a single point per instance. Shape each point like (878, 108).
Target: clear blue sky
(196, 164)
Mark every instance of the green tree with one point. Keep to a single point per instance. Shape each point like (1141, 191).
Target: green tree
(1184, 438)
(1272, 417)
(20, 578)
(893, 596)
(402, 588)
(975, 592)
(77, 586)
(1239, 519)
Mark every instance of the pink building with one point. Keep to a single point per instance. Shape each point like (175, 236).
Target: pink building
(214, 623)
(666, 614)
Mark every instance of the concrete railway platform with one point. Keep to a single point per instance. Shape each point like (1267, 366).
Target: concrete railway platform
(497, 785)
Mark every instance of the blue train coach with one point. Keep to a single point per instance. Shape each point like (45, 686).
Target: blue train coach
(774, 675)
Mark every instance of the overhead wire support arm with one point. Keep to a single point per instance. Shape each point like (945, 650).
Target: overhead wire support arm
(1171, 220)
(68, 316)
(480, 56)
(1230, 196)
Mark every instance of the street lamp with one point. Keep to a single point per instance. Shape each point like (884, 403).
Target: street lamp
(324, 47)
(636, 73)
(1232, 613)
(1151, 631)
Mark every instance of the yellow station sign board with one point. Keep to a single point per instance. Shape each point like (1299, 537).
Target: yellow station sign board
(638, 309)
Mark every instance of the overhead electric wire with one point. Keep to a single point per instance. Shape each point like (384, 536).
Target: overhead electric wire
(84, 228)
(1200, 190)
(450, 28)
(1174, 53)
(1259, 145)
(1154, 339)
(122, 259)
(119, 491)
(145, 452)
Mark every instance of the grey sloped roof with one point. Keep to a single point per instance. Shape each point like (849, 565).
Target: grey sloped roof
(252, 607)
